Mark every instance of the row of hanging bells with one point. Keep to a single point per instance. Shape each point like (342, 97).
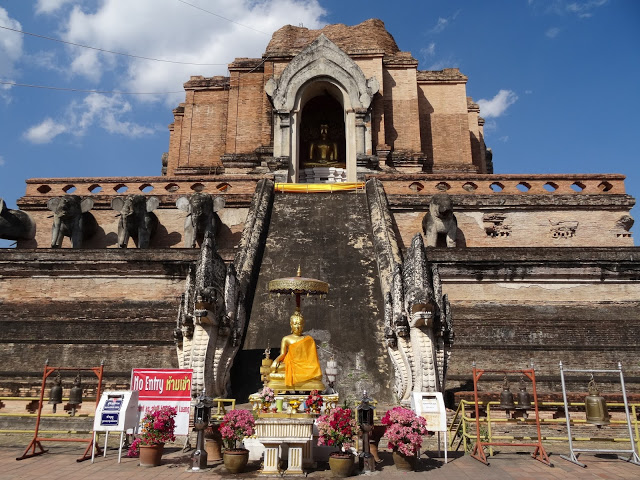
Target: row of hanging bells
(75, 394)
(595, 404)
(507, 398)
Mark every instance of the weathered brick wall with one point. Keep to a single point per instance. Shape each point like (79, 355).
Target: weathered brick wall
(580, 306)
(199, 134)
(245, 118)
(79, 307)
(448, 122)
(402, 125)
(372, 67)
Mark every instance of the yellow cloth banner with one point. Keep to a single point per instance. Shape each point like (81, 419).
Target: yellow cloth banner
(301, 362)
(317, 187)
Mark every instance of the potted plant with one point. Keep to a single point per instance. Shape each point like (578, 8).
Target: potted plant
(236, 425)
(314, 401)
(267, 397)
(337, 429)
(404, 432)
(156, 427)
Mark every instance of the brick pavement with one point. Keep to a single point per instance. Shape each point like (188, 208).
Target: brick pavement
(60, 463)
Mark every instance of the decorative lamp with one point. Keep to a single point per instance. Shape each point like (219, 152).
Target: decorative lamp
(331, 372)
(365, 419)
(201, 417)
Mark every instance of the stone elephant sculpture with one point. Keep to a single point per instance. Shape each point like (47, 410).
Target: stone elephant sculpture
(440, 221)
(201, 217)
(15, 224)
(71, 218)
(137, 219)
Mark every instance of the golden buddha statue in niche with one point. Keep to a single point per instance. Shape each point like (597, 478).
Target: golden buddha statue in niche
(297, 367)
(323, 152)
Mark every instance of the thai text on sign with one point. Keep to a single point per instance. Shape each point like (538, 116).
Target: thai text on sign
(159, 387)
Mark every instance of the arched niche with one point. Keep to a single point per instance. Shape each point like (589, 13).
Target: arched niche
(321, 69)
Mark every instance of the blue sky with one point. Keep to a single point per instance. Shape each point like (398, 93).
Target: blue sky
(557, 80)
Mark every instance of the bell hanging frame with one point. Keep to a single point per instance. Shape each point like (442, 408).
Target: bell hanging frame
(572, 457)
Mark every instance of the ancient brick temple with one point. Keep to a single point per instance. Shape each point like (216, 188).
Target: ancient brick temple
(435, 262)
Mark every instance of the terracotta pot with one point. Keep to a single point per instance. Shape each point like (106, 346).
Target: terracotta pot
(404, 462)
(236, 460)
(213, 449)
(341, 464)
(151, 455)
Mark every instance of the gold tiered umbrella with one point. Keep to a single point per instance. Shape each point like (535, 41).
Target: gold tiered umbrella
(298, 286)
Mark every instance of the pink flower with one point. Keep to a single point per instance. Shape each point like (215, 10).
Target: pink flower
(157, 426)
(404, 430)
(236, 425)
(337, 428)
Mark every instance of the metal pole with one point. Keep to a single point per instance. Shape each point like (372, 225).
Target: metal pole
(634, 456)
(572, 456)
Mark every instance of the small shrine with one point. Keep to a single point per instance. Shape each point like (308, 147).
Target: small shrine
(294, 393)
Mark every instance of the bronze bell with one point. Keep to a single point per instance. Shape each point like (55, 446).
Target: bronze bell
(506, 397)
(55, 395)
(524, 397)
(595, 406)
(75, 395)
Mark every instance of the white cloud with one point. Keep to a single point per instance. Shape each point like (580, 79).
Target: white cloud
(106, 112)
(170, 30)
(585, 9)
(45, 131)
(498, 104)
(430, 50)
(2, 161)
(504, 138)
(443, 23)
(50, 6)
(552, 32)
(10, 45)
(448, 62)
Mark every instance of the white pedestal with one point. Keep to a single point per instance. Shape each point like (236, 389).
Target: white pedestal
(323, 175)
(278, 432)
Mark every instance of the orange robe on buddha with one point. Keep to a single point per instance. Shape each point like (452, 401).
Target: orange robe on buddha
(301, 362)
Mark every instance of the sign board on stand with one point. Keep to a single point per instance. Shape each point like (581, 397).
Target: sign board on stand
(160, 387)
(430, 405)
(117, 411)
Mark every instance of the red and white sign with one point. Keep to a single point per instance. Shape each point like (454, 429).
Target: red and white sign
(161, 387)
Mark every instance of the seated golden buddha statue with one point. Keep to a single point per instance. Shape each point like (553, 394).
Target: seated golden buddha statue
(323, 152)
(297, 367)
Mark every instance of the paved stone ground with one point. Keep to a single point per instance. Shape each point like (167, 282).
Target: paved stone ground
(60, 463)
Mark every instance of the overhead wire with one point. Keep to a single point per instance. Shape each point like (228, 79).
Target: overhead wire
(224, 18)
(47, 87)
(105, 50)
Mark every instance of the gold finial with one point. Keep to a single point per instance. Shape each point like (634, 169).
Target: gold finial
(299, 274)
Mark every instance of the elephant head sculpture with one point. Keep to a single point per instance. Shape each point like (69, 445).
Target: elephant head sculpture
(15, 224)
(201, 211)
(440, 221)
(137, 219)
(71, 218)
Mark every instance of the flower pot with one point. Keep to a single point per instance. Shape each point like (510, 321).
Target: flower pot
(213, 449)
(151, 455)
(404, 462)
(236, 460)
(341, 464)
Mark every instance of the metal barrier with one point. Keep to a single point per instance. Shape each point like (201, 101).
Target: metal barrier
(221, 405)
(462, 425)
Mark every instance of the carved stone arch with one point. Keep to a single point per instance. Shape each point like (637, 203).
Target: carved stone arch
(322, 61)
